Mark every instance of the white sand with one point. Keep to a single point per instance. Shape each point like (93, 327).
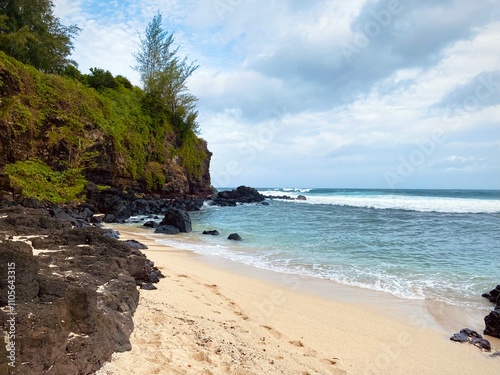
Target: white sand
(204, 319)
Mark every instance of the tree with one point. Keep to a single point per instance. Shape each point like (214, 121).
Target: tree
(164, 74)
(31, 33)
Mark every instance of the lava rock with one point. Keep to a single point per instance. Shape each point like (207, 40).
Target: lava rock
(242, 194)
(301, 198)
(177, 218)
(167, 229)
(492, 321)
(151, 224)
(135, 244)
(493, 295)
(472, 337)
(111, 233)
(211, 232)
(30, 203)
(235, 237)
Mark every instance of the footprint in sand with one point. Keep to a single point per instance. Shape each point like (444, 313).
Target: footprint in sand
(273, 332)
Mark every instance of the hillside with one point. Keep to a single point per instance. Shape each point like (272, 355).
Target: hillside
(57, 132)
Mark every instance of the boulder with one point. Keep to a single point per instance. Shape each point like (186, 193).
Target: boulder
(301, 198)
(211, 232)
(151, 224)
(492, 322)
(242, 194)
(177, 218)
(135, 244)
(235, 237)
(167, 229)
(493, 295)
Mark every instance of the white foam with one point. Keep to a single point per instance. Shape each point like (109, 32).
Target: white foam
(401, 202)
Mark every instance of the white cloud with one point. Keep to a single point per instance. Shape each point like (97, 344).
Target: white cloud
(281, 104)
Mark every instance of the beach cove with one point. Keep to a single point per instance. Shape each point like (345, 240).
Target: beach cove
(207, 319)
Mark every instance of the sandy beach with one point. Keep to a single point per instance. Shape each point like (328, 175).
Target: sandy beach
(206, 319)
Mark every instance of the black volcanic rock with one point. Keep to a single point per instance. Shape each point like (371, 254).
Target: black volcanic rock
(151, 224)
(211, 232)
(177, 218)
(492, 322)
(235, 237)
(472, 337)
(493, 295)
(242, 194)
(75, 299)
(167, 229)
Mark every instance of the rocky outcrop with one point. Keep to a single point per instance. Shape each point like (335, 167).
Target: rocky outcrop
(177, 218)
(74, 299)
(492, 323)
(492, 320)
(493, 295)
(242, 194)
(118, 205)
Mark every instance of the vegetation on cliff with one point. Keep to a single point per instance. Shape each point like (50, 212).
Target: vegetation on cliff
(58, 130)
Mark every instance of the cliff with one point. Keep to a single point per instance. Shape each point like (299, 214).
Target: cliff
(58, 132)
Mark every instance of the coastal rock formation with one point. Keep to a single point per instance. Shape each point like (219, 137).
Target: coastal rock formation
(472, 337)
(177, 218)
(75, 292)
(493, 295)
(492, 320)
(211, 232)
(242, 194)
(235, 237)
(167, 229)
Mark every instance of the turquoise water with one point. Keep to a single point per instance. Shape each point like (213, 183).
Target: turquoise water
(441, 245)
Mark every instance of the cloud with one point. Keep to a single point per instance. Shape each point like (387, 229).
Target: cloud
(327, 93)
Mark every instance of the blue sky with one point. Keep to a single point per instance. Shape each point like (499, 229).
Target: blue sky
(319, 93)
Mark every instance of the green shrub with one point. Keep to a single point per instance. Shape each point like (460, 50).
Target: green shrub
(37, 180)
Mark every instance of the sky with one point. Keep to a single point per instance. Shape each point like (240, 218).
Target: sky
(325, 93)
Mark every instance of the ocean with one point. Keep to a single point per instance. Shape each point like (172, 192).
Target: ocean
(440, 245)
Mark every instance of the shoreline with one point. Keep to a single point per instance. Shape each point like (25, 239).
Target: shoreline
(297, 330)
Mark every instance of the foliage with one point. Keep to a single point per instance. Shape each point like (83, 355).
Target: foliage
(32, 34)
(100, 79)
(164, 74)
(71, 126)
(155, 176)
(37, 180)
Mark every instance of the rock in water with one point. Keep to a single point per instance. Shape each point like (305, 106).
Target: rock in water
(242, 194)
(167, 229)
(235, 237)
(177, 218)
(493, 295)
(211, 232)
